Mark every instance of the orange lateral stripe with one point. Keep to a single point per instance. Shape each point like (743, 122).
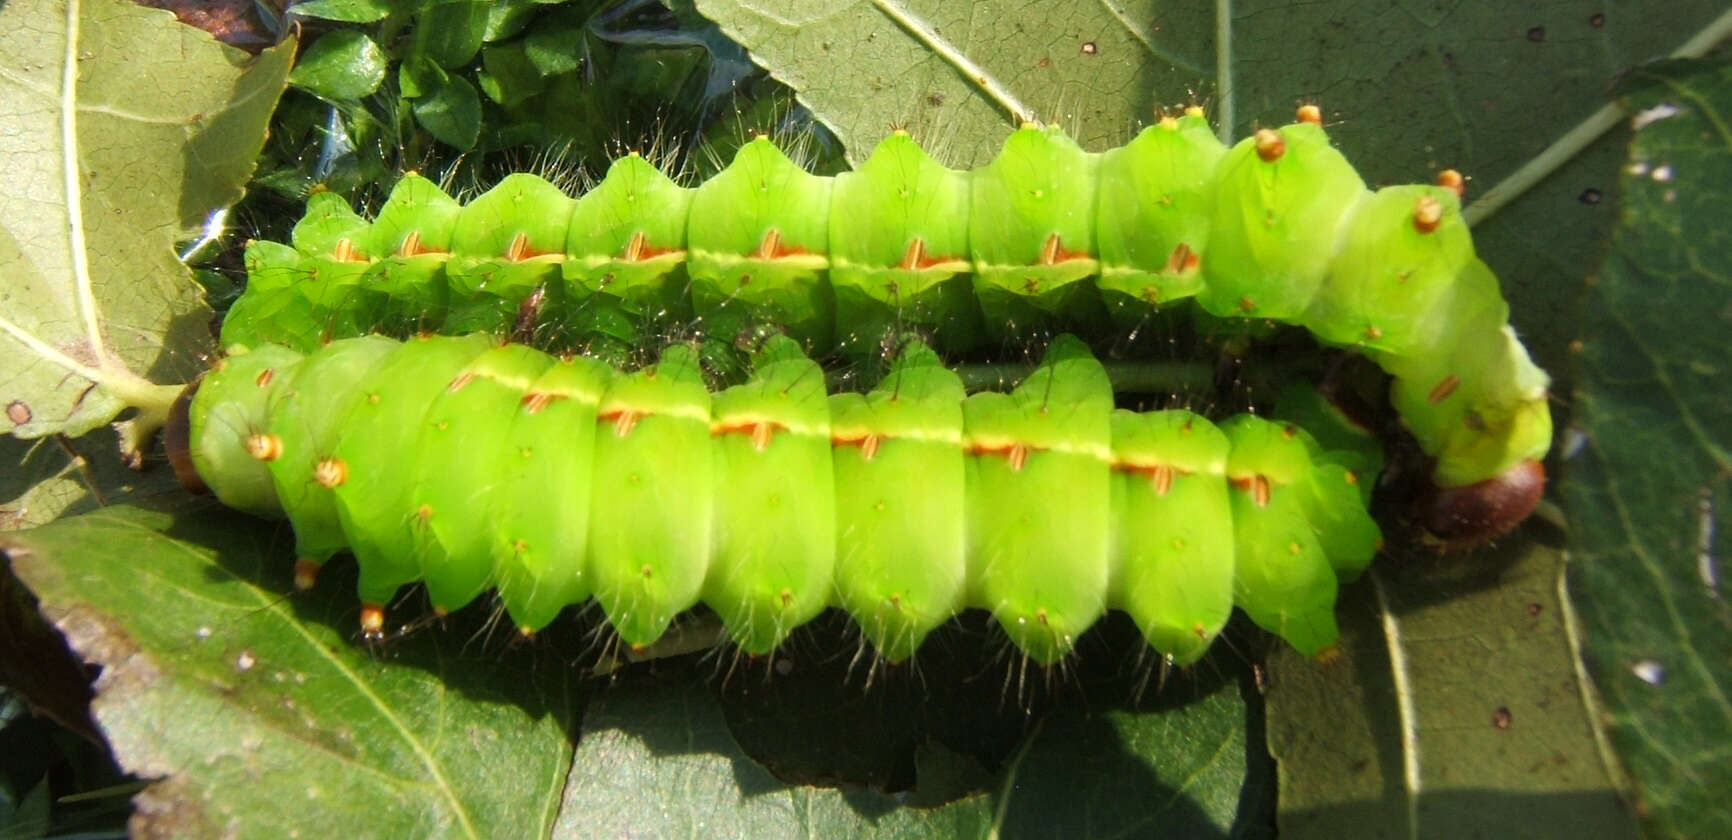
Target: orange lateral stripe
(1017, 453)
(639, 249)
(1053, 252)
(1258, 486)
(771, 247)
(868, 443)
(623, 420)
(761, 431)
(519, 249)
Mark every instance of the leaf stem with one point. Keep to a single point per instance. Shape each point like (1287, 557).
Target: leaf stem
(976, 75)
(70, 181)
(1224, 69)
(152, 401)
(1566, 148)
(1403, 684)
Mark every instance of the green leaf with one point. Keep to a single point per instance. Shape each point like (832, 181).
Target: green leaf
(45, 478)
(351, 11)
(1454, 710)
(450, 32)
(344, 64)
(450, 110)
(255, 718)
(255, 712)
(1179, 772)
(506, 18)
(123, 129)
(557, 45)
(1651, 484)
(510, 77)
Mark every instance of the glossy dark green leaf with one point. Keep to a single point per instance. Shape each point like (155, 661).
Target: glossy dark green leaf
(450, 110)
(449, 32)
(351, 11)
(557, 45)
(343, 64)
(508, 77)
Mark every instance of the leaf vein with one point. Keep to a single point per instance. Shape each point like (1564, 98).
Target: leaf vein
(973, 73)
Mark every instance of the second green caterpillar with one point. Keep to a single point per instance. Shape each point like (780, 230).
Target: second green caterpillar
(468, 465)
(1280, 227)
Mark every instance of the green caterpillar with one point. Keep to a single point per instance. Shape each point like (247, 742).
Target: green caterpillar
(470, 464)
(1045, 238)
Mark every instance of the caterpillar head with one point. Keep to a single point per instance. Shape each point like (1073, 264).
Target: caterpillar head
(177, 440)
(1488, 476)
(1462, 517)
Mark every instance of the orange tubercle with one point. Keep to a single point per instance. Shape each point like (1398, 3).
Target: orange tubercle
(372, 621)
(1182, 260)
(1427, 214)
(345, 251)
(1270, 145)
(1162, 478)
(623, 421)
(264, 447)
(1309, 114)
(306, 574)
(1450, 179)
(331, 472)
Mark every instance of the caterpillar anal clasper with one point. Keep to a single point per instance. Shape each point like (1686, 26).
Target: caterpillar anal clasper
(470, 465)
(1045, 238)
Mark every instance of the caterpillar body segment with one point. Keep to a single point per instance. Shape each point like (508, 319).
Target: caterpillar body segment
(1031, 233)
(542, 525)
(1040, 565)
(1287, 578)
(623, 262)
(1047, 237)
(763, 248)
(234, 435)
(913, 258)
(472, 465)
(774, 555)
(651, 484)
(1169, 489)
(302, 412)
(381, 434)
(1161, 186)
(901, 478)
